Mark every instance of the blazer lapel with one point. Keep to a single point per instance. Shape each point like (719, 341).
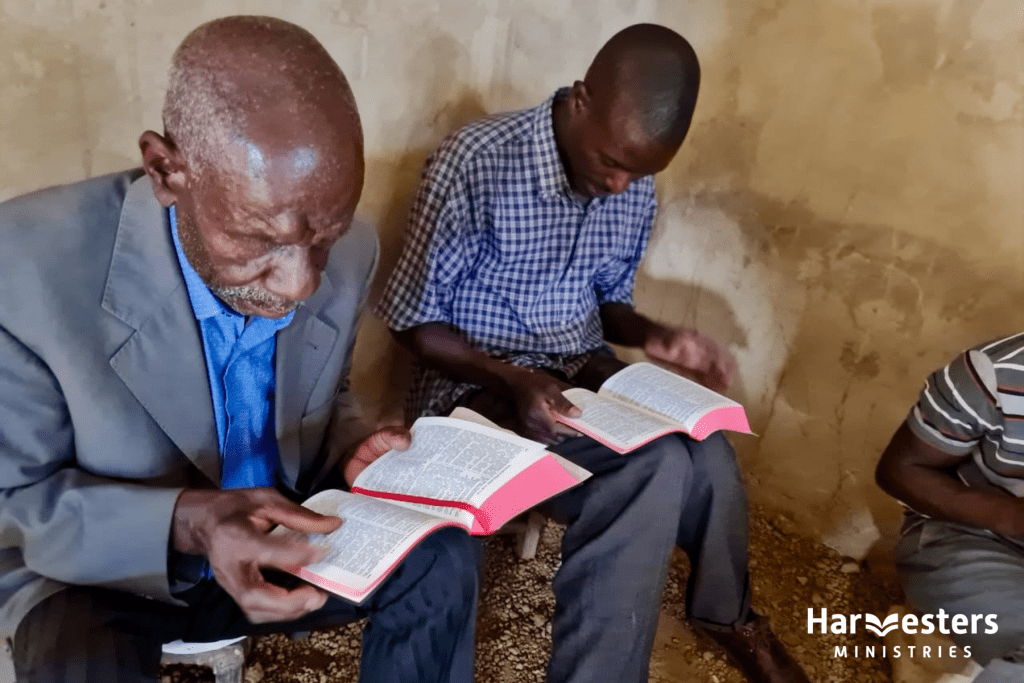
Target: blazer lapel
(303, 348)
(162, 363)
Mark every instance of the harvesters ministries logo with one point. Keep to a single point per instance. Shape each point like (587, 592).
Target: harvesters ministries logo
(824, 623)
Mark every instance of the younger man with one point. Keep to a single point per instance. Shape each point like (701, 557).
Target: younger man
(522, 252)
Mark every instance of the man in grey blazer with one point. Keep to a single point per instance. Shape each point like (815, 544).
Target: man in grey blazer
(175, 344)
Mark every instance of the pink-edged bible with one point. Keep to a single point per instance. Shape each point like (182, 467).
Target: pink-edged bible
(460, 471)
(643, 402)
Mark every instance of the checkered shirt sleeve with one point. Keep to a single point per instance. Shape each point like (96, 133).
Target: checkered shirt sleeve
(615, 282)
(438, 249)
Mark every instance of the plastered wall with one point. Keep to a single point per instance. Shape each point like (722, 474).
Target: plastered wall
(846, 213)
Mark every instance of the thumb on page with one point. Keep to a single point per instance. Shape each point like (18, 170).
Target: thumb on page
(564, 406)
(376, 445)
(384, 440)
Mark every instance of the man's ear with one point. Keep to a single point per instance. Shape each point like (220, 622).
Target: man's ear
(165, 166)
(579, 98)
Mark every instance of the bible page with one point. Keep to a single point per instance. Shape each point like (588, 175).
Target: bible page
(620, 426)
(664, 393)
(451, 460)
(458, 515)
(373, 537)
(572, 468)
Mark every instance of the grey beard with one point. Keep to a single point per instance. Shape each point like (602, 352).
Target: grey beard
(255, 295)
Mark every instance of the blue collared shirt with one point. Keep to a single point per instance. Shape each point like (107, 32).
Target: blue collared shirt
(240, 365)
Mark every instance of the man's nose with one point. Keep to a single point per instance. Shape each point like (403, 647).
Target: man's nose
(294, 276)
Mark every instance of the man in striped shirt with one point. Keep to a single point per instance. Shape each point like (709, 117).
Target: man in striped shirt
(957, 463)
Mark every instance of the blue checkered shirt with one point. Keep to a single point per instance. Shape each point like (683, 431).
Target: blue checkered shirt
(499, 246)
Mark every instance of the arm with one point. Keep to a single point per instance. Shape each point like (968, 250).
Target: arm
(537, 395)
(624, 326)
(921, 476)
(77, 527)
(957, 409)
(440, 346)
(685, 351)
(442, 243)
(71, 525)
(682, 349)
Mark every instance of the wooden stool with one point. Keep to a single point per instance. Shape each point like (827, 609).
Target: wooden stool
(527, 528)
(225, 657)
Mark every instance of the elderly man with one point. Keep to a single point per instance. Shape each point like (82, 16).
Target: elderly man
(957, 463)
(175, 344)
(522, 251)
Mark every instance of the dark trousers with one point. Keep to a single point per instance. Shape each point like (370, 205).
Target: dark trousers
(421, 624)
(621, 526)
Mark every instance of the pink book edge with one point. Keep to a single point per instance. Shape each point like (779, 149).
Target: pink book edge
(535, 484)
(732, 418)
(538, 482)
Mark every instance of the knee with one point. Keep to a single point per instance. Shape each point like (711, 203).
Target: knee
(457, 557)
(667, 463)
(715, 461)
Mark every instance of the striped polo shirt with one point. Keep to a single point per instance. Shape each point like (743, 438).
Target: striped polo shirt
(975, 407)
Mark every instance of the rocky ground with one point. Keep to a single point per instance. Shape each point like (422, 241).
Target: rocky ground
(790, 574)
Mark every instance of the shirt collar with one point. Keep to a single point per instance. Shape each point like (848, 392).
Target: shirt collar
(551, 177)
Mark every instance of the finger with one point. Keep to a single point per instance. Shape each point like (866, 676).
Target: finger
(565, 430)
(264, 602)
(554, 431)
(721, 368)
(728, 366)
(702, 356)
(382, 441)
(277, 509)
(281, 551)
(561, 405)
(539, 429)
(720, 377)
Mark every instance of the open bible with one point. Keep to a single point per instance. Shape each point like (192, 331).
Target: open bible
(643, 402)
(460, 471)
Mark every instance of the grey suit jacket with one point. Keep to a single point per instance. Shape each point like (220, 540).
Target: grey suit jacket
(105, 407)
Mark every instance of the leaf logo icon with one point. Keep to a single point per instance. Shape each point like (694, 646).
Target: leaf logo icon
(880, 628)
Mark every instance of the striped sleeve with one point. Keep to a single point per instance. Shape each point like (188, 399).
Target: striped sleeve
(958, 405)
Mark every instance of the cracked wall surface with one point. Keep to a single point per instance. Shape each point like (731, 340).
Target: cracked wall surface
(845, 214)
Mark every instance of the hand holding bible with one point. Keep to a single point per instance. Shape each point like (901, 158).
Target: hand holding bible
(539, 405)
(231, 528)
(377, 444)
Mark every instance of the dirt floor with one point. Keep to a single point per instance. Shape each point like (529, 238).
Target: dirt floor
(790, 573)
